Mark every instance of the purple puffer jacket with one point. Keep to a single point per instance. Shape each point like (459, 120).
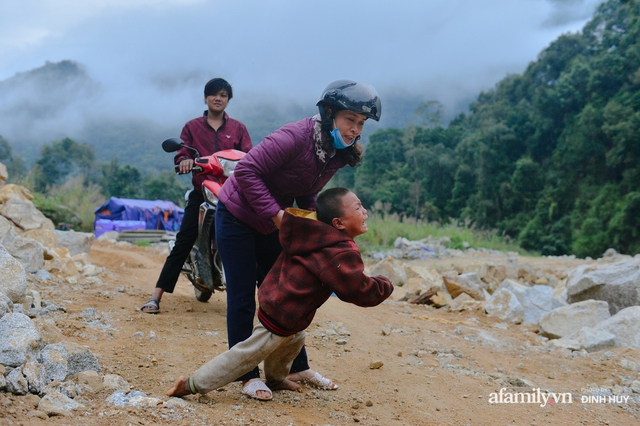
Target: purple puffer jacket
(282, 169)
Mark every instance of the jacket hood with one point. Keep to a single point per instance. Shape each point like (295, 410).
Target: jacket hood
(302, 234)
(317, 261)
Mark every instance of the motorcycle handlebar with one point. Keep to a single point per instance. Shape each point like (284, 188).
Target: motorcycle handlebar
(194, 169)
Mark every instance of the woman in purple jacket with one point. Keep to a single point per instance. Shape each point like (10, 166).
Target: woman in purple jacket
(289, 166)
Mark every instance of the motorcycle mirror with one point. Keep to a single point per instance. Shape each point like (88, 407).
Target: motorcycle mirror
(172, 144)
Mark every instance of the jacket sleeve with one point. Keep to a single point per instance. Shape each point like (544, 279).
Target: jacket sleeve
(184, 153)
(261, 164)
(345, 276)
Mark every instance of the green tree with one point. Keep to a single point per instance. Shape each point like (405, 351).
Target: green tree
(61, 160)
(429, 114)
(165, 187)
(121, 181)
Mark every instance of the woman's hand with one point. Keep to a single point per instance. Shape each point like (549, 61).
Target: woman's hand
(278, 218)
(186, 166)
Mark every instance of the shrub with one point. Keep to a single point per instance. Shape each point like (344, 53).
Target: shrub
(71, 203)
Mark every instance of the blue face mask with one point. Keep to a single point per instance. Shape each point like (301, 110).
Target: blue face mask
(338, 142)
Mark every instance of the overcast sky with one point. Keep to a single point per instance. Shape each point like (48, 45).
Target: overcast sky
(146, 53)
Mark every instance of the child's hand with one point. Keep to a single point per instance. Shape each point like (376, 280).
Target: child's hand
(277, 219)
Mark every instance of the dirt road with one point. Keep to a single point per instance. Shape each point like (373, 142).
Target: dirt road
(434, 367)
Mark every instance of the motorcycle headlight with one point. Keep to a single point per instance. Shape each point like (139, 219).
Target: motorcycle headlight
(210, 196)
(228, 166)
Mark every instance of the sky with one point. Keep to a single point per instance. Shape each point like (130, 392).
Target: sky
(153, 57)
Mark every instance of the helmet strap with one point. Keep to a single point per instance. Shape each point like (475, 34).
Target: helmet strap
(327, 120)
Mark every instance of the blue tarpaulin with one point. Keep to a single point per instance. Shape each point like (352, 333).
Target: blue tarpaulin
(133, 214)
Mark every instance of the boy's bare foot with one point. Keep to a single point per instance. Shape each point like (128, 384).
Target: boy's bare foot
(180, 387)
(288, 385)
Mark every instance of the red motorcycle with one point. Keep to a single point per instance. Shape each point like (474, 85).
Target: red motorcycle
(203, 267)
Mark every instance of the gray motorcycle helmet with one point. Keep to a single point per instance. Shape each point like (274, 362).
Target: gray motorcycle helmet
(361, 98)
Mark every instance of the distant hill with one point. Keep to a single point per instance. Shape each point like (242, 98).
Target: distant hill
(61, 100)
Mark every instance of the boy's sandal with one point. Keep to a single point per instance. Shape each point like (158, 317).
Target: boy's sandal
(251, 390)
(152, 306)
(320, 382)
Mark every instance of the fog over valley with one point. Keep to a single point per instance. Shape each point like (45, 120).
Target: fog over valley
(122, 76)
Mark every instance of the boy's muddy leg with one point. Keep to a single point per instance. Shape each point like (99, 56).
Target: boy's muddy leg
(278, 363)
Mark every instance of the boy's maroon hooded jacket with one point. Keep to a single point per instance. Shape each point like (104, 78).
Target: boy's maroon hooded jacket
(317, 260)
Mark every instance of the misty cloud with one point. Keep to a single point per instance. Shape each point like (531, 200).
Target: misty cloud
(146, 61)
(569, 11)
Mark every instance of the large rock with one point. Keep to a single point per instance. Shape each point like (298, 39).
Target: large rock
(36, 376)
(28, 252)
(4, 175)
(50, 332)
(91, 379)
(79, 358)
(504, 304)
(469, 284)
(6, 305)
(567, 320)
(431, 276)
(16, 382)
(25, 215)
(625, 325)
(53, 357)
(418, 281)
(46, 237)
(392, 269)
(616, 283)
(14, 192)
(464, 302)
(75, 242)
(527, 273)
(116, 383)
(14, 278)
(412, 288)
(592, 340)
(56, 404)
(7, 232)
(536, 300)
(19, 339)
(587, 338)
(64, 265)
(489, 273)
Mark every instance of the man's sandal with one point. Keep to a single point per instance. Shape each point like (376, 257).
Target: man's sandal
(251, 390)
(152, 306)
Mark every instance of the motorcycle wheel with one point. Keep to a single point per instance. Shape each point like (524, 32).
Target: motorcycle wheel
(202, 295)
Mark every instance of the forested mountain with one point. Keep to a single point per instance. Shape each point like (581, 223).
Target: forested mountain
(549, 157)
(61, 100)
